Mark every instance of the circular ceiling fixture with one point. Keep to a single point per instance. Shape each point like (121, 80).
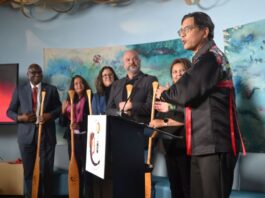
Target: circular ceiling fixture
(46, 10)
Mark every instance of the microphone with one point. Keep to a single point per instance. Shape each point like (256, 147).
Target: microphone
(129, 88)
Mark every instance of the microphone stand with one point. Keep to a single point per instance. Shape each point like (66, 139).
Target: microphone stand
(154, 129)
(164, 132)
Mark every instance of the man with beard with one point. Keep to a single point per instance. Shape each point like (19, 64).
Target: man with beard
(138, 106)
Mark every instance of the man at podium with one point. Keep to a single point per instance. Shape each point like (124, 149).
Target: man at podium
(131, 96)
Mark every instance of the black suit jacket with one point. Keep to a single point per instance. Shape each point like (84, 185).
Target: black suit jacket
(141, 97)
(22, 103)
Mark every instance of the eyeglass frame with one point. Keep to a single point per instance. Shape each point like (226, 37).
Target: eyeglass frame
(107, 75)
(187, 29)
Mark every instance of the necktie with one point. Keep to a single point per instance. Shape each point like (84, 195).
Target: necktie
(34, 98)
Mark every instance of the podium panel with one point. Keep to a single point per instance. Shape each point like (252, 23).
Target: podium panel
(127, 157)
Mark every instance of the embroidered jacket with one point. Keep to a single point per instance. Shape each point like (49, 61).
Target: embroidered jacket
(209, 104)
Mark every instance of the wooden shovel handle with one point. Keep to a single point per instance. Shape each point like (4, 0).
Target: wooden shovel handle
(73, 173)
(89, 93)
(36, 171)
(129, 89)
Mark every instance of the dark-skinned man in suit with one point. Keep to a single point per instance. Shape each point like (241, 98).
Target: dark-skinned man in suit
(24, 109)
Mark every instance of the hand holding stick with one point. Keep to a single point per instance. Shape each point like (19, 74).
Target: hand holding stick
(154, 134)
(148, 176)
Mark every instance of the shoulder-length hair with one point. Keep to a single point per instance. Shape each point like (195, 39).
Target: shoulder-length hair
(100, 87)
(71, 87)
(186, 62)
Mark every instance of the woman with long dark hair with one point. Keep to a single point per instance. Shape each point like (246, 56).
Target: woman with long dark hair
(103, 84)
(79, 85)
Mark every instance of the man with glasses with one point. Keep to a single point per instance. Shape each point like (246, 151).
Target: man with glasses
(24, 109)
(206, 91)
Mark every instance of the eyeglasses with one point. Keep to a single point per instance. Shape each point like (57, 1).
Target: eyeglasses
(186, 29)
(107, 75)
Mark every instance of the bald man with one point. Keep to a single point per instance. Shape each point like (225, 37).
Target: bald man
(138, 107)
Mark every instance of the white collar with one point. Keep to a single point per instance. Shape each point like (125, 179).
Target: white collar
(38, 85)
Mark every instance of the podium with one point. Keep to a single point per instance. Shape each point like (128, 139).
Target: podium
(126, 144)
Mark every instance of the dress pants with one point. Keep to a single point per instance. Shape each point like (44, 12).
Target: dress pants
(178, 169)
(28, 154)
(212, 175)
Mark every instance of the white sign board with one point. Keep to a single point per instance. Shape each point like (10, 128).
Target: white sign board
(96, 144)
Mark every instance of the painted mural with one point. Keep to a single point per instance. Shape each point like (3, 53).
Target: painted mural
(245, 49)
(61, 64)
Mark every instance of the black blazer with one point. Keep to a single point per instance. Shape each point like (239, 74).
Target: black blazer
(141, 97)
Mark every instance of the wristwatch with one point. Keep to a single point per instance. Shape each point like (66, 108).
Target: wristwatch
(165, 122)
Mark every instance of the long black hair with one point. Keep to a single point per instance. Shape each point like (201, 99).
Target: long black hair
(71, 87)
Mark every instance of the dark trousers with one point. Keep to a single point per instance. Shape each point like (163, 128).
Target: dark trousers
(178, 169)
(212, 175)
(28, 154)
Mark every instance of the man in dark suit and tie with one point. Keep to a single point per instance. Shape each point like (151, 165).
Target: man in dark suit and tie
(24, 109)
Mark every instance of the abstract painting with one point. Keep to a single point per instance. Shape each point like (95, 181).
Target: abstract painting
(245, 49)
(60, 65)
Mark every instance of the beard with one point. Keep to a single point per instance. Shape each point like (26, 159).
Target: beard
(133, 69)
